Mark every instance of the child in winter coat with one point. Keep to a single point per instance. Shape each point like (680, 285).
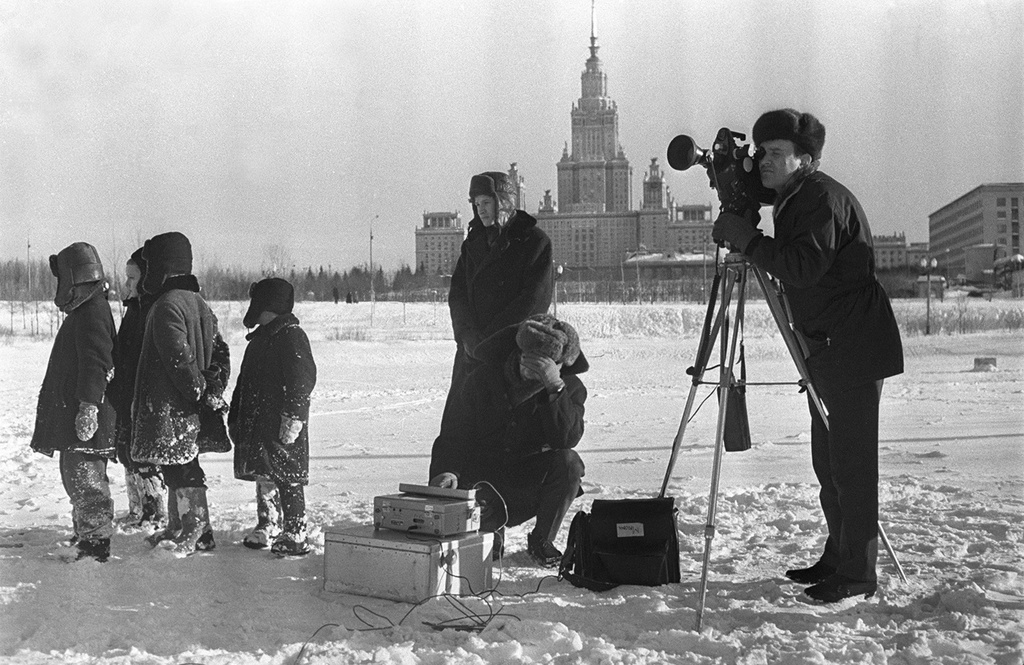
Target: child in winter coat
(72, 416)
(175, 380)
(143, 482)
(269, 416)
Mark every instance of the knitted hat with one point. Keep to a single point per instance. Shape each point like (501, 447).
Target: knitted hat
(547, 336)
(803, 129)
(166, 255)
(493, 183)
(269, 295)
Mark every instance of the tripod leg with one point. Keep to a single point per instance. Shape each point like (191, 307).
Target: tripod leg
(708, 334)
(725, 380)
(892, 553)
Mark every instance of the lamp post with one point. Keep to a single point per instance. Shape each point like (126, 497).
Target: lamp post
(373, 300)
(928, 266)
(556, 272)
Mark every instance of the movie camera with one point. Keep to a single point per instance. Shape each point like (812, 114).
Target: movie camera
(732, 169)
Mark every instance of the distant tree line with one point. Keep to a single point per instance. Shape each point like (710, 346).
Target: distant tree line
(353, 285)
(18, 282)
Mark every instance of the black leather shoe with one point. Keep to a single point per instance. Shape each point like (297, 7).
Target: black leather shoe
(836, 587)
(816, 573)
(543, 552)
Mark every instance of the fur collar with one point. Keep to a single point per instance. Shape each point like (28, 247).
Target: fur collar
(183, 282)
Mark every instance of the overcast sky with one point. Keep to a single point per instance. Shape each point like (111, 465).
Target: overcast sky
(267, 128)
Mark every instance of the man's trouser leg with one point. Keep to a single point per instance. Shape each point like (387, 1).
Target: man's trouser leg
(845, 460)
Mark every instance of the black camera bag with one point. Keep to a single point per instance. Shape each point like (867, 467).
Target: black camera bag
(627, 541)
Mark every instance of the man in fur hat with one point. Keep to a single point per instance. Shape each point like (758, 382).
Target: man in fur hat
(503, 274)
(513, 430)
(73, 417)
(822, 253)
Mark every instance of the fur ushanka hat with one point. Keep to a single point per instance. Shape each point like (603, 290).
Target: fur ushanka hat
(547, 336)
(272, 294)
(540, 333)
(166, 255)
(495, 184)
(803, 129)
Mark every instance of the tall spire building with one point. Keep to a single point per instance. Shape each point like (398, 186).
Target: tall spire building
(595, 176)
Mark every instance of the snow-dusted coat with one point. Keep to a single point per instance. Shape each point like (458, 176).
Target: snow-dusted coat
(81, 363)
(176, 347)
(276, 378)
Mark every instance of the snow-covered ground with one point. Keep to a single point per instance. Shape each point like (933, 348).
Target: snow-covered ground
(952, 467)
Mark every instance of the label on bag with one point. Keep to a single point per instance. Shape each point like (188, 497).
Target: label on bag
(629, 529)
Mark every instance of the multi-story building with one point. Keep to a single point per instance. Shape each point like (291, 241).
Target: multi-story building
(890, 251)
(438, 242)
(987, 215)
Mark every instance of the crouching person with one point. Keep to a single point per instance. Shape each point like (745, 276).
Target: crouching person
(513, 432)
(177, 350)
(269, 416)
(72, 417)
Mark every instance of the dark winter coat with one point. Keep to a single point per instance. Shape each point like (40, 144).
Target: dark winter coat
(500, 284)
(80, 366)
(822, 252)
(121, 390)
(276, 378)
(177, 346)
(491, 427)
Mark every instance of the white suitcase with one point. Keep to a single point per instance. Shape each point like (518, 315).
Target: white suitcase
(400, 566)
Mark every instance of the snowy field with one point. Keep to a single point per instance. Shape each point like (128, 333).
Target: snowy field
(952, 501)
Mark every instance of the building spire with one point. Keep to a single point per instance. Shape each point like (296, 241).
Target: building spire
(593, 29)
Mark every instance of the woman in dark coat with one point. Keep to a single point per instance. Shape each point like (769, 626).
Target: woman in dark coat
(73, 417)
(514, 429)
(269, 418)
(502, 277)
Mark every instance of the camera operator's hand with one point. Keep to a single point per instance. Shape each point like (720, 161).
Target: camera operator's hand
(446, 480)
(735, 230)
(543, 369)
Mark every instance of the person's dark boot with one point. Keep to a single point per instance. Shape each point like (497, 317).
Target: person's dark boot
(96, 548)
(837, 587)
(542, 551)
(812, 575)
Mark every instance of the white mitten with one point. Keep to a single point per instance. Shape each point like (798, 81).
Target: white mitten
(290, 430)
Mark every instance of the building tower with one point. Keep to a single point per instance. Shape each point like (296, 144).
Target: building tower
(595, 176)
(654, 187)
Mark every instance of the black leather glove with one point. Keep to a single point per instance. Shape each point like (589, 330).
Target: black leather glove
(735, 230)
